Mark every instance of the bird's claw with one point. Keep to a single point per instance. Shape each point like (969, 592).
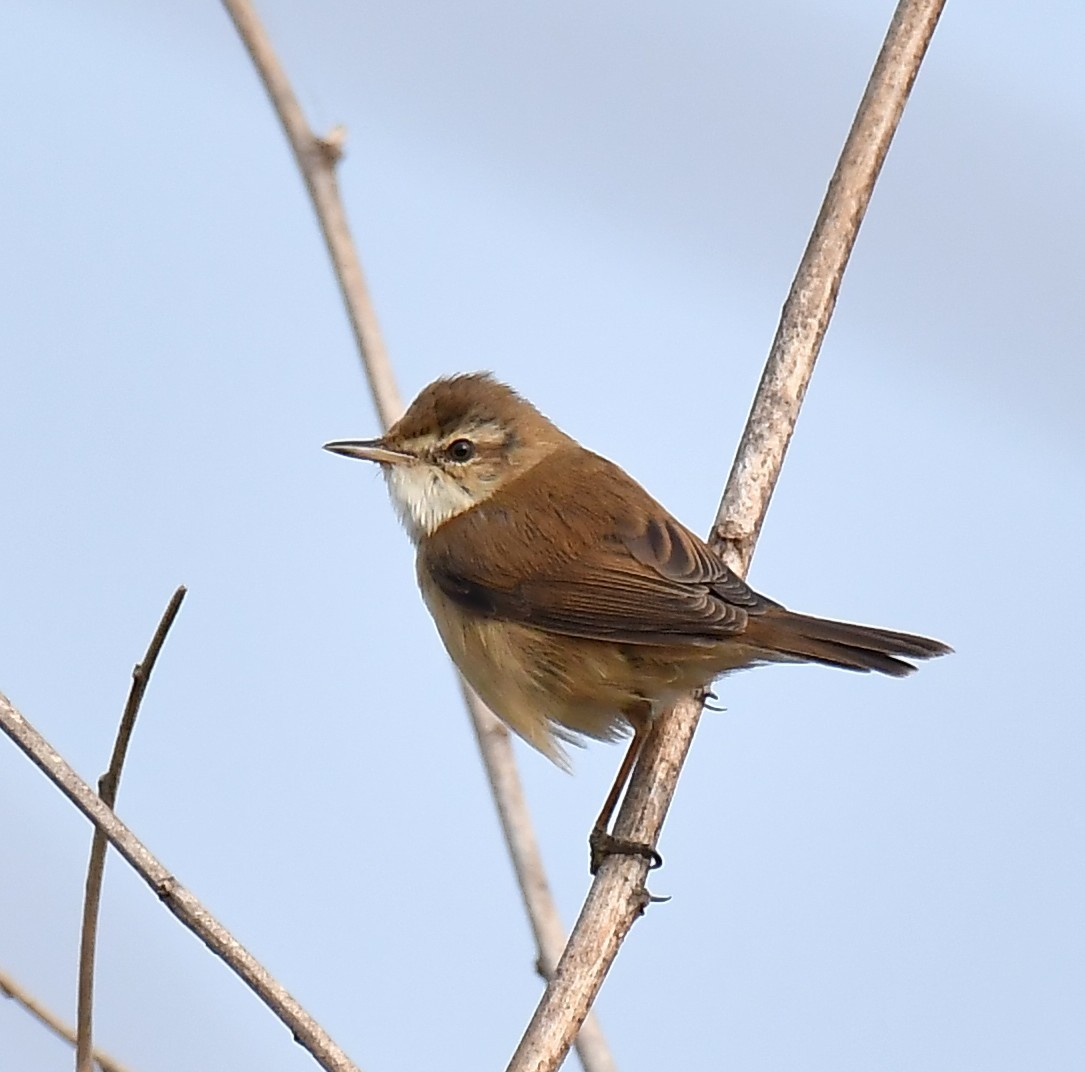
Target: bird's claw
(603, 844)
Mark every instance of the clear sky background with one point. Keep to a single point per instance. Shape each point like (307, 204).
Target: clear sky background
(604, 203)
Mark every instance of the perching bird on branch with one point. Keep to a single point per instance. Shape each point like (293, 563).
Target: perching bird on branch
(572, 602)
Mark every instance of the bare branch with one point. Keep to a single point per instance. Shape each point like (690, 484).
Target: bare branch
(46, 1017)
(108, 785)
(617, 896)
(812, 298)
(176, 898)
(495, 744)
(317, 158)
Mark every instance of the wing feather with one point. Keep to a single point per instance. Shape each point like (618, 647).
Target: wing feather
(612, 565)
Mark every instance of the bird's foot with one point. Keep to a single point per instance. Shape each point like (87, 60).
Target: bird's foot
(603, 844)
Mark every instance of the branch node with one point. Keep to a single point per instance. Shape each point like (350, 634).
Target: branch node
(332, 145)
(732, 537)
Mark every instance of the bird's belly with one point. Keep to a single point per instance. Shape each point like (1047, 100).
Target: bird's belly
(549, 688)
(518, 673)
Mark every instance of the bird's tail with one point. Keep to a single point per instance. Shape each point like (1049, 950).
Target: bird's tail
(851, 647)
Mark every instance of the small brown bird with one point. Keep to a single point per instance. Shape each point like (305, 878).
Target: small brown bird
(571, 601)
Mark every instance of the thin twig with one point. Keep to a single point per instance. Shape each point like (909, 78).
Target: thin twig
(108, 785)
(11, 989)
(495, 745)
(176, 898)
(317, 158)
(617, 896)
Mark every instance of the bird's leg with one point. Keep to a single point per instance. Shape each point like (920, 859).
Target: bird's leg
(601, 842)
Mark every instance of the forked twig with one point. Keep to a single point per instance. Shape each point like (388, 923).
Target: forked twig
(617, 896)
(317, 158)
(176, 898)
(108, 785)
(47, 1018)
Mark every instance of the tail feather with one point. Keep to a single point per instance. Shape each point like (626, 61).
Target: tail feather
(841, 644)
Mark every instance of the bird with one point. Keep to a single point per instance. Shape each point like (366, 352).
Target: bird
(573, 603)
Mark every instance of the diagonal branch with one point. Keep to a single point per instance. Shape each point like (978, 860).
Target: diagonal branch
(617, 897)
(108, 785)
(47, 1018)
(316, 158)
(176, 898)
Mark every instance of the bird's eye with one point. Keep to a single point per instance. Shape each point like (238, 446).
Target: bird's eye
(461, 450)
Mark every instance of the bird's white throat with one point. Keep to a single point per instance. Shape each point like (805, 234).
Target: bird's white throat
(425, 497)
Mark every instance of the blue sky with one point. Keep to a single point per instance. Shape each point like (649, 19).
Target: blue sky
(604, 204)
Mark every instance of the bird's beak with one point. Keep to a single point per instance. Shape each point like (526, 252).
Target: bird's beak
(372, 450)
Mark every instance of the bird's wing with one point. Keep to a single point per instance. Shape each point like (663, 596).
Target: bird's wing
(608, 563)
